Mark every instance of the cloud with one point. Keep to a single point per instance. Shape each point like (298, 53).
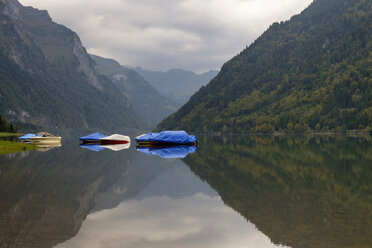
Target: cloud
(163, 34)
(194, 221)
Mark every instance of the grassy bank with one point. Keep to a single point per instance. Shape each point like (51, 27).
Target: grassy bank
(9, 134)
(7, 147)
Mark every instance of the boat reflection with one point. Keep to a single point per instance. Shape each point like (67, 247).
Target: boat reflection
(45, 148)
(169, 151)
(98, 147)
(45, 196)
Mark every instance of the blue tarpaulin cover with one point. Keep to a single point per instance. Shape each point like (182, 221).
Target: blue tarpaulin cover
(146, 137)
(93, 147)
(27, 136)
(93, 136)
(176, 137)
(169, 152)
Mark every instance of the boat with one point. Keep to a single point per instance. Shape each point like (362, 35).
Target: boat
(166, 138)
(114, 139)
(44, 138)
(26, 137)
(143, 139)
(92, 138)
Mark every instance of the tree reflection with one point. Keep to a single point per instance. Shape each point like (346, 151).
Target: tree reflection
(304, 191)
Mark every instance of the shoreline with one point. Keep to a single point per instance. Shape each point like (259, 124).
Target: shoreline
(9, 147)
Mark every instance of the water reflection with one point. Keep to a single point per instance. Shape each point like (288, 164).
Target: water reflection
(299, 191)
(166, 222)
(253, 191)
(46, 148)
(45, 196)
(168, 151)
(98, 147)
(175, 209)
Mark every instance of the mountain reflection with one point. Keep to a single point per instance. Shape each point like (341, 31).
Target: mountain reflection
(299, 191)
(45, 196)
(175, 209)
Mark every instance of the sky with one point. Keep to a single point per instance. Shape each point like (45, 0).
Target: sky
(196, 35)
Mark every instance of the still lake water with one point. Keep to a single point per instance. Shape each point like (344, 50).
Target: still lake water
(251, 191)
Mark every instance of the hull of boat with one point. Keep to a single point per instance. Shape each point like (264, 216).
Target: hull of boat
(45, 140)
(115, 139)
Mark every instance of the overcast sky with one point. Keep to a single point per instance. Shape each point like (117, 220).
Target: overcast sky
(196, 35)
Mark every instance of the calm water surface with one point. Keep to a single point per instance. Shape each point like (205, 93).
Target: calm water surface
(252, 191)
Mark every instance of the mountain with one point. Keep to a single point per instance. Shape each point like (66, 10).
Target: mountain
(176, 84)
(312, 72)
(145, 99)
(47, 79)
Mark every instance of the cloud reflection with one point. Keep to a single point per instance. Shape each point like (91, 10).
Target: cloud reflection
(194, 221)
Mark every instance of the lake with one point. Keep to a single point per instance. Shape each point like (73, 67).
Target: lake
(233, 191)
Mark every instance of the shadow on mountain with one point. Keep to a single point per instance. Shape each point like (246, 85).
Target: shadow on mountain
(300, 191)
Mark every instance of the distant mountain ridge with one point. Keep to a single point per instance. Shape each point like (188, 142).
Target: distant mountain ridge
(47, 79)
(176, 84)
(146, 100)
(312, 73)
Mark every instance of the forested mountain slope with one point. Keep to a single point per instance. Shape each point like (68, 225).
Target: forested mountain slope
(6, 127)
(148, 103)
(47, 79)
(312, 72)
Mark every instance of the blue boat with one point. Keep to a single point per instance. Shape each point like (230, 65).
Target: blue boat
(27, 137)
(146, 137)
(92, 138)
(168, 152)
(166, 138)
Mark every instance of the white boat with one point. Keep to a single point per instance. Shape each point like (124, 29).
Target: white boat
(115, 139)
(44, 138)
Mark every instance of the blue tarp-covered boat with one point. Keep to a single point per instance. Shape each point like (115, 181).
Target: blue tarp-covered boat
(169, 152)
(92, 138)
(27, 136)
(167, 138)
(146, 137)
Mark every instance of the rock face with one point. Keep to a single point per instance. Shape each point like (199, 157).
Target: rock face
(311, 73)
(85, 66)
(48, 80)
(145, 99)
